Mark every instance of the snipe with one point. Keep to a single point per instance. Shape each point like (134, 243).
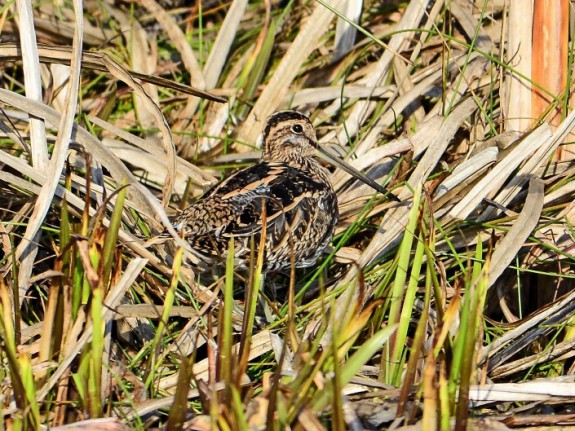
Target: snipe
(288, 186)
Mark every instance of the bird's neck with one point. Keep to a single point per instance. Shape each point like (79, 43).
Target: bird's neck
(309, 165)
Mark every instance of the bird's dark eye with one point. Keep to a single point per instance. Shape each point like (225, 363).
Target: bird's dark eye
(297, 128)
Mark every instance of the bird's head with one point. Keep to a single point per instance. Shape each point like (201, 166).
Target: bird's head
(288, 137)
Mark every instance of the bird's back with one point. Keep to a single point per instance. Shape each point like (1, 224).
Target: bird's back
(299, 207)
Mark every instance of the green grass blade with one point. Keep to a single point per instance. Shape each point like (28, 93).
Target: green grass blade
(417, 348)
(356, 361)
(477, 295)
(169, 298)
(398, 357)
(460, 340)
(111, 239)
(9, 351)
(96, 352)
(398, 288)
(32, 411)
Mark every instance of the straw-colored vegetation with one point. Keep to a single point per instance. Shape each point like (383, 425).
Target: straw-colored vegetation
(451, 310)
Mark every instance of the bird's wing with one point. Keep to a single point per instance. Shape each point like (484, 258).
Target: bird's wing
(236, 205)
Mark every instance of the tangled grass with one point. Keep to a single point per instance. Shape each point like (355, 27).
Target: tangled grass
(451, 310)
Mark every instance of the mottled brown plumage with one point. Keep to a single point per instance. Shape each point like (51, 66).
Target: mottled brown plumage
(300, 203)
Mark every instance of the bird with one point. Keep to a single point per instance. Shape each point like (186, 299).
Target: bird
(288, 189)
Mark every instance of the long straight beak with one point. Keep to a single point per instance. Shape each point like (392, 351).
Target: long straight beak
(330, 158)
